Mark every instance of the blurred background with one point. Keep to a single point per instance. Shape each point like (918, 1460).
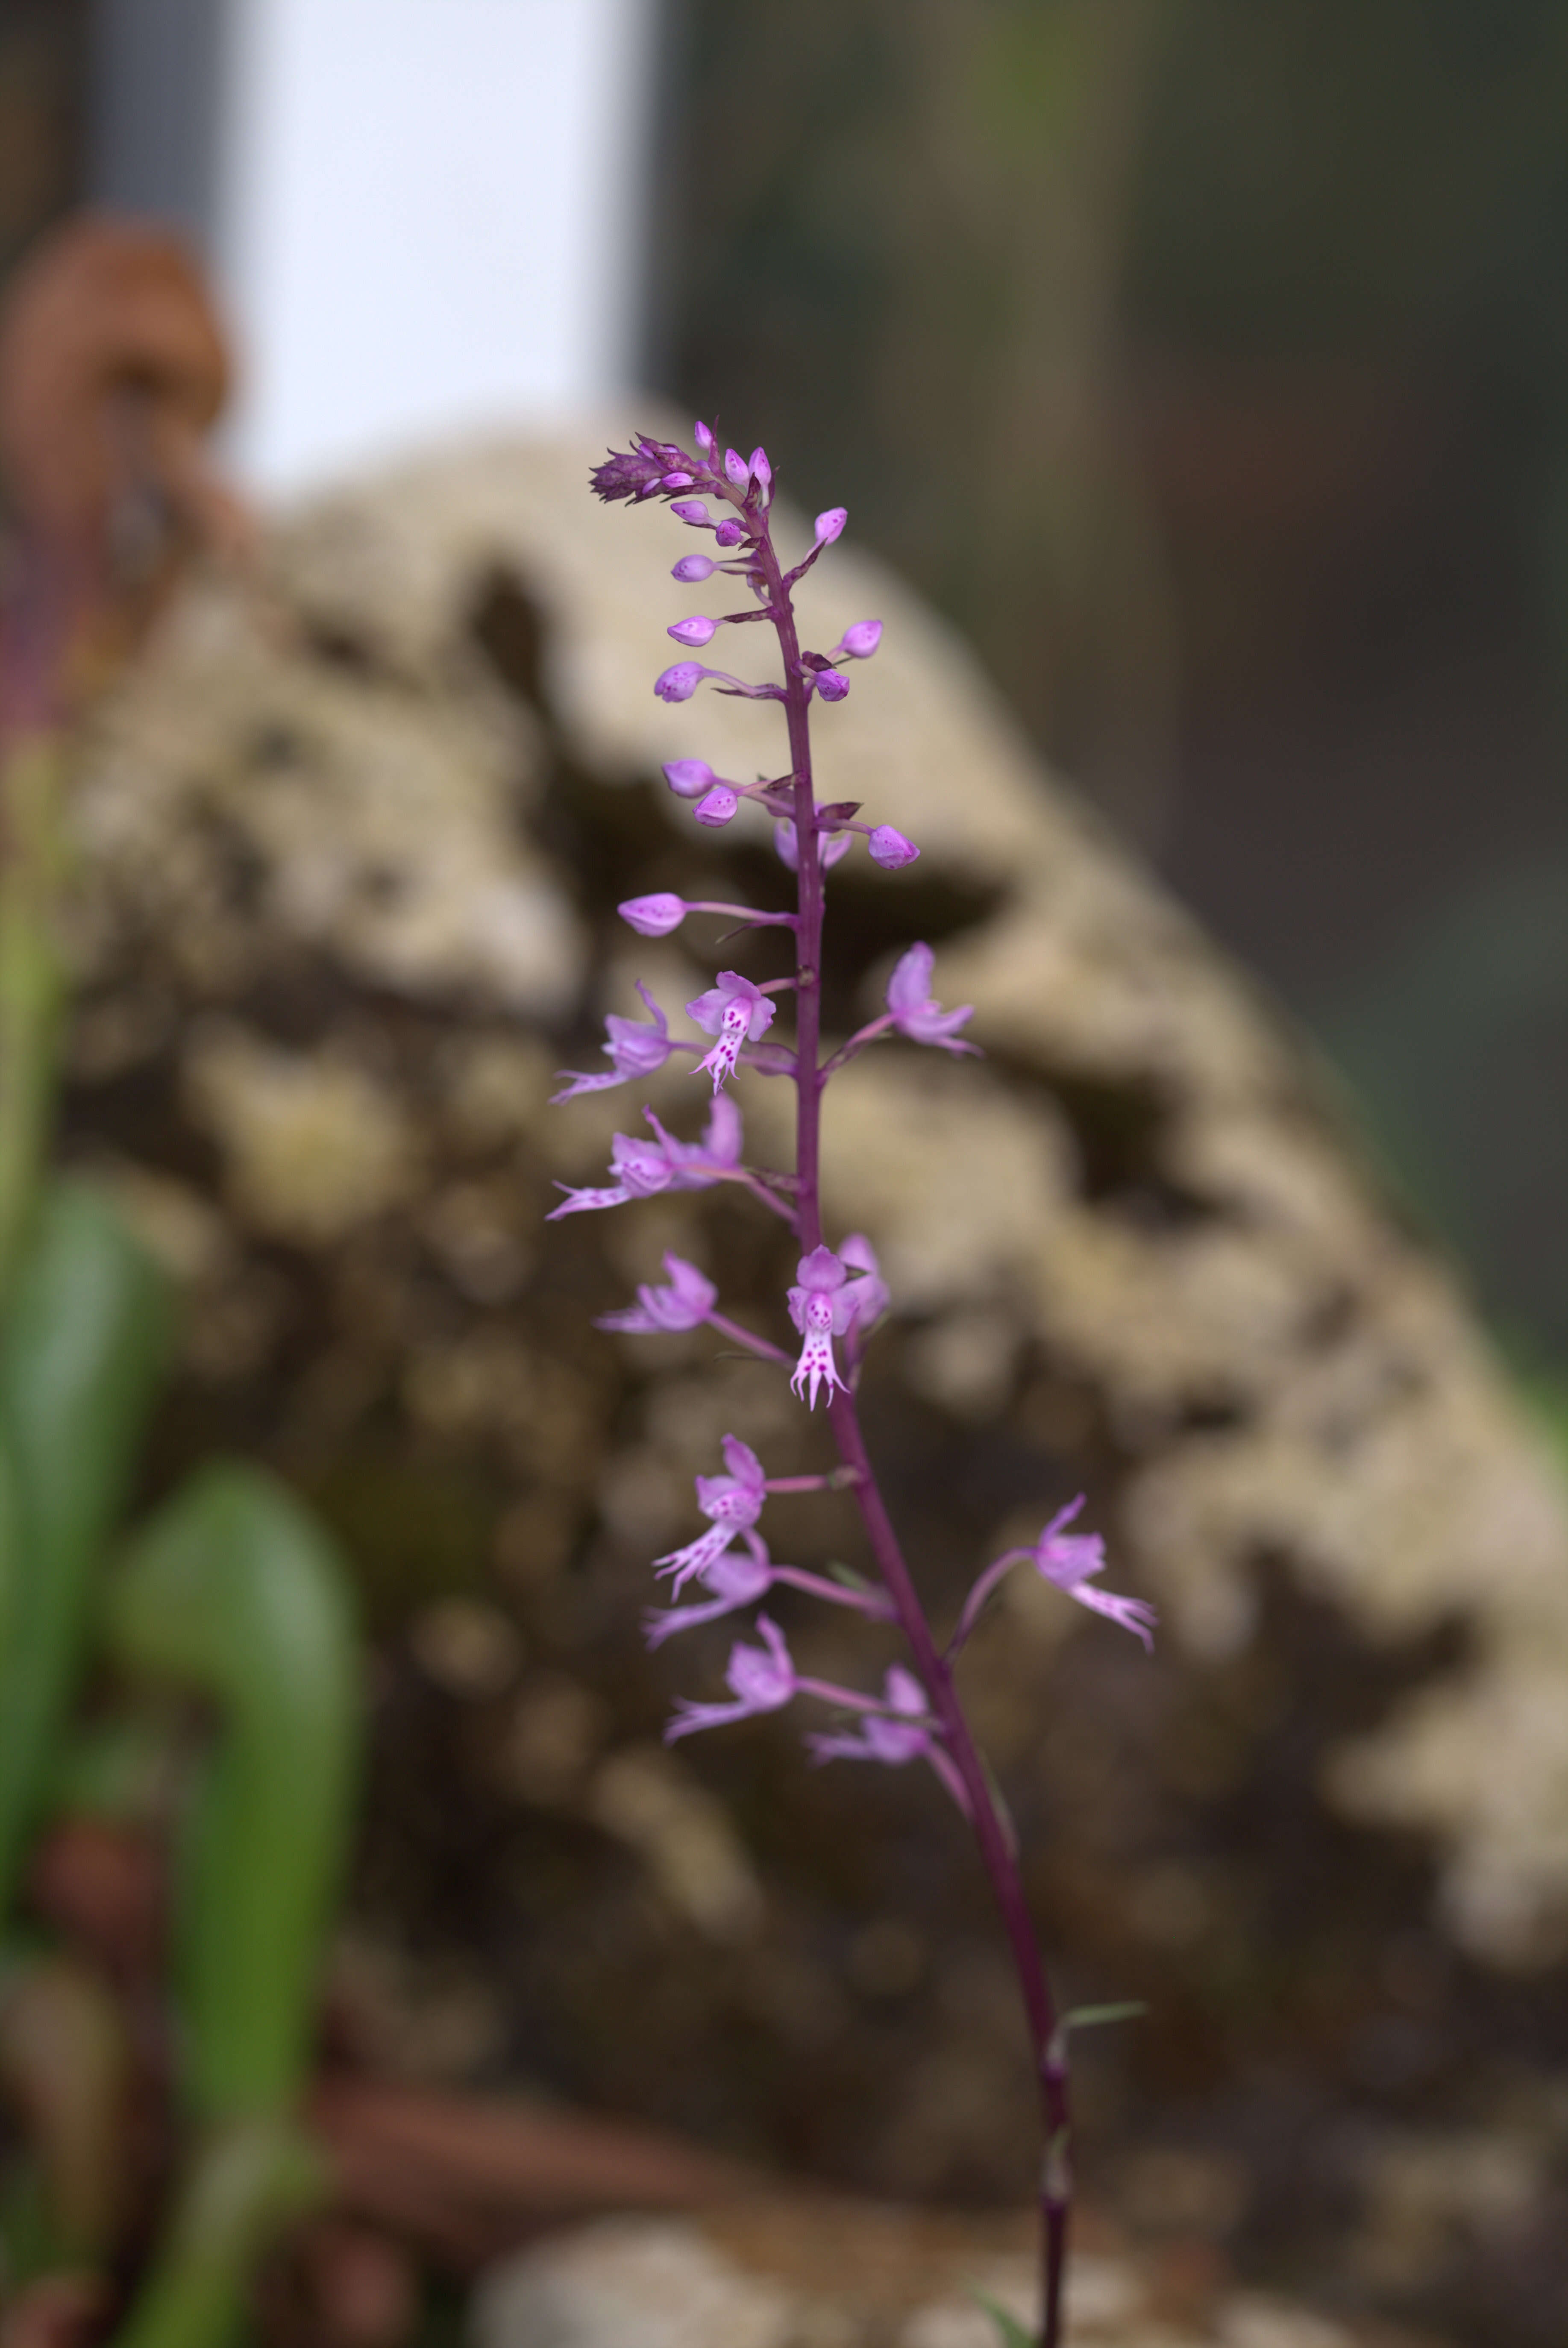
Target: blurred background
(1207, 365)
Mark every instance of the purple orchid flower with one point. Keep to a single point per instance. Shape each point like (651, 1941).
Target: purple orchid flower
(901, 1731)
(890, 848)
(736, 1013)
(691, 568)
(832, 848)
(641, 1170)
(861, 1301)
(1070, 1561)
(718, 806)
(763, 1678)
(860, 642)
(831, 685)
(694, 632)
(633, 1050)
(735, 1577)
(732, 1505)
(913, 1009)
(698, 1165)
(902, 1734)
(689, 777)
(685, 1302)
(813, 1308)
(655, 916)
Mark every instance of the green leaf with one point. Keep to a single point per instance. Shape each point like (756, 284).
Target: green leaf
(1009, 2331)
(234, 1593)
(81, 1357)
(846, 1576)
(1092, 2017)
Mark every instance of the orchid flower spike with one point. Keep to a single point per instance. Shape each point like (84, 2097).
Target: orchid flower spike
(763, 1678)
(684, 1303)
(901, 1733)
(1071, 1560)
(915, 1011)
(814, 1310)
(738, 1013)
(732, 1505)
(633, 1050)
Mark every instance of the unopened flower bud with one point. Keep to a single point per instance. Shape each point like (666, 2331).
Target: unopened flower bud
(718, 806)
(703, 435)
(831, 685)
(762, 471)
(696, 632)
(693, 567)
(860, 641)
(655, 916)
(730, 532)
(688, 778)
(828, 525)
(693, 511)
(890, 848)
(735, 470)
(676, 481)
(678, 683)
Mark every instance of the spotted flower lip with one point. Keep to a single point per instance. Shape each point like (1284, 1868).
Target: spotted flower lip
(813, 1308)
(736, 1013)
(732, 1504)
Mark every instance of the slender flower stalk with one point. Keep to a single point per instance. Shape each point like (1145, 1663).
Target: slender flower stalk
(839, 1294)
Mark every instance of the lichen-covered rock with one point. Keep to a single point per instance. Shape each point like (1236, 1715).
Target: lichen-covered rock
(351, 841)
(835, 2277)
